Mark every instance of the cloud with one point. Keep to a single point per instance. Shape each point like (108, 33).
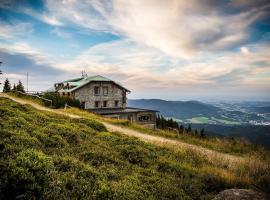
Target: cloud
(244, 50)
(47, 18)
(61, 33)
(170, 47)
(25, 49)
(177, 28)
(142, 68)
(22, 58)
(15, 29)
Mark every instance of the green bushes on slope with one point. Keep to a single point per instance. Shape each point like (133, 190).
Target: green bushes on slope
(48, 156)
(60, 101)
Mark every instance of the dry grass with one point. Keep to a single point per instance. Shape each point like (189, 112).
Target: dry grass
(252, 168)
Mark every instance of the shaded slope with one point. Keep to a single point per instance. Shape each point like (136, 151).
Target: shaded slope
(48, 156)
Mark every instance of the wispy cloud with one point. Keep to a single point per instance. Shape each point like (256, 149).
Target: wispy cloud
(15, 29)
(177, 28)
(61, 33)
(168, 47)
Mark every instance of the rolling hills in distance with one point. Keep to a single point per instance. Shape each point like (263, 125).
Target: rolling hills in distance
(250, 120)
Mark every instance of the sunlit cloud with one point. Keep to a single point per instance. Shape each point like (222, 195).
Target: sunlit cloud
(13, 30)
(153, 47)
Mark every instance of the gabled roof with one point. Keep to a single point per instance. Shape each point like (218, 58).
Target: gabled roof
(80, 82)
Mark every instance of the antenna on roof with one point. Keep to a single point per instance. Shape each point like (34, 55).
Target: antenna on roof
(84, 74)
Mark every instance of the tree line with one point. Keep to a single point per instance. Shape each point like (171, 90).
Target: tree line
(163, 123)
(16, 87)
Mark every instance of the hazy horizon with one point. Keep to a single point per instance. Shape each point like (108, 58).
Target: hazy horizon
(173, 50)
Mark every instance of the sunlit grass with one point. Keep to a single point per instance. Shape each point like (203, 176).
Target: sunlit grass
(53, 156)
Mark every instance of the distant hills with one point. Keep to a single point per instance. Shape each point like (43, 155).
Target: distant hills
(246, 119)
(176, 109)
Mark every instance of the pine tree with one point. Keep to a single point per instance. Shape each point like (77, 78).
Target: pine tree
(181, 129)
(7, 86)
(20, 87)
(189, 128)
(202, 133)
(14, 88)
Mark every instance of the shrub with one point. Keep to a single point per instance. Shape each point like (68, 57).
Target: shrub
(60, 101)
(48, 156)
(51, 140)
(91, 124)
(98, 158)
(29, 176)
(263, 183)
(138, 155)
(178, 169)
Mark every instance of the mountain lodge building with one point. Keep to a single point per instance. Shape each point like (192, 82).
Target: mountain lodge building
(106, 97)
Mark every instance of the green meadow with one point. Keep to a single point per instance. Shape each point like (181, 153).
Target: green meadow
(50, 156)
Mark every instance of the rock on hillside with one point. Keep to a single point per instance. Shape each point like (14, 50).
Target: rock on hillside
(240, 194)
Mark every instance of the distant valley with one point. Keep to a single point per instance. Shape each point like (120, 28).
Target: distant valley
(240, 119)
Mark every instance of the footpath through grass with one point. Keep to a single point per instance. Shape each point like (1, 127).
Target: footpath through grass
(224, 145)
(49, 156)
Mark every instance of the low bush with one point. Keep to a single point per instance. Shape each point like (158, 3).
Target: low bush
(90, 123)
(49, 156)
(138, 155)
(60, 101)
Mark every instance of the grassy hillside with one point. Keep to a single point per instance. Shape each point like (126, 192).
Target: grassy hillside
(49, 156)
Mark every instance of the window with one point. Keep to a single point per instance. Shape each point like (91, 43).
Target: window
(105, 91)
(116, 103)
(105, 104)
(83, 105)
(144, 118)
(96, 90)
(68, 94)
(96, 104)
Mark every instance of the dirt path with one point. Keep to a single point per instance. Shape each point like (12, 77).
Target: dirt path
(211, 155)
(37, 106)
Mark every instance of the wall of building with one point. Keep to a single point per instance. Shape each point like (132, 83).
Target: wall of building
(87, 94)
(137, 118)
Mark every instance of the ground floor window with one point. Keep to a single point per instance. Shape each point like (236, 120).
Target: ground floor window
(145, 118)
(105, 104)
(116, 103)
(83, 105)
(96, 104)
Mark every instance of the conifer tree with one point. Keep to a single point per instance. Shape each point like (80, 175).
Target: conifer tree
(189, 128)
(202, 133)
(20, 87)
(181, 129)
(14, 88)
(7, 86)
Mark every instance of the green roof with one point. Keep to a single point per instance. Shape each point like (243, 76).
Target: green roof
(79, 82)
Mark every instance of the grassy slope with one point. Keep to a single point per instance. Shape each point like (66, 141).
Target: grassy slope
(235, 147)
(50, 156)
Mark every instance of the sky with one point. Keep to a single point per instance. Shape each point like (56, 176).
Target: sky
(174, 50)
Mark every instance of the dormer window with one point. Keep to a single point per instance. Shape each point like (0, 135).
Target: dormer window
(96, 104)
